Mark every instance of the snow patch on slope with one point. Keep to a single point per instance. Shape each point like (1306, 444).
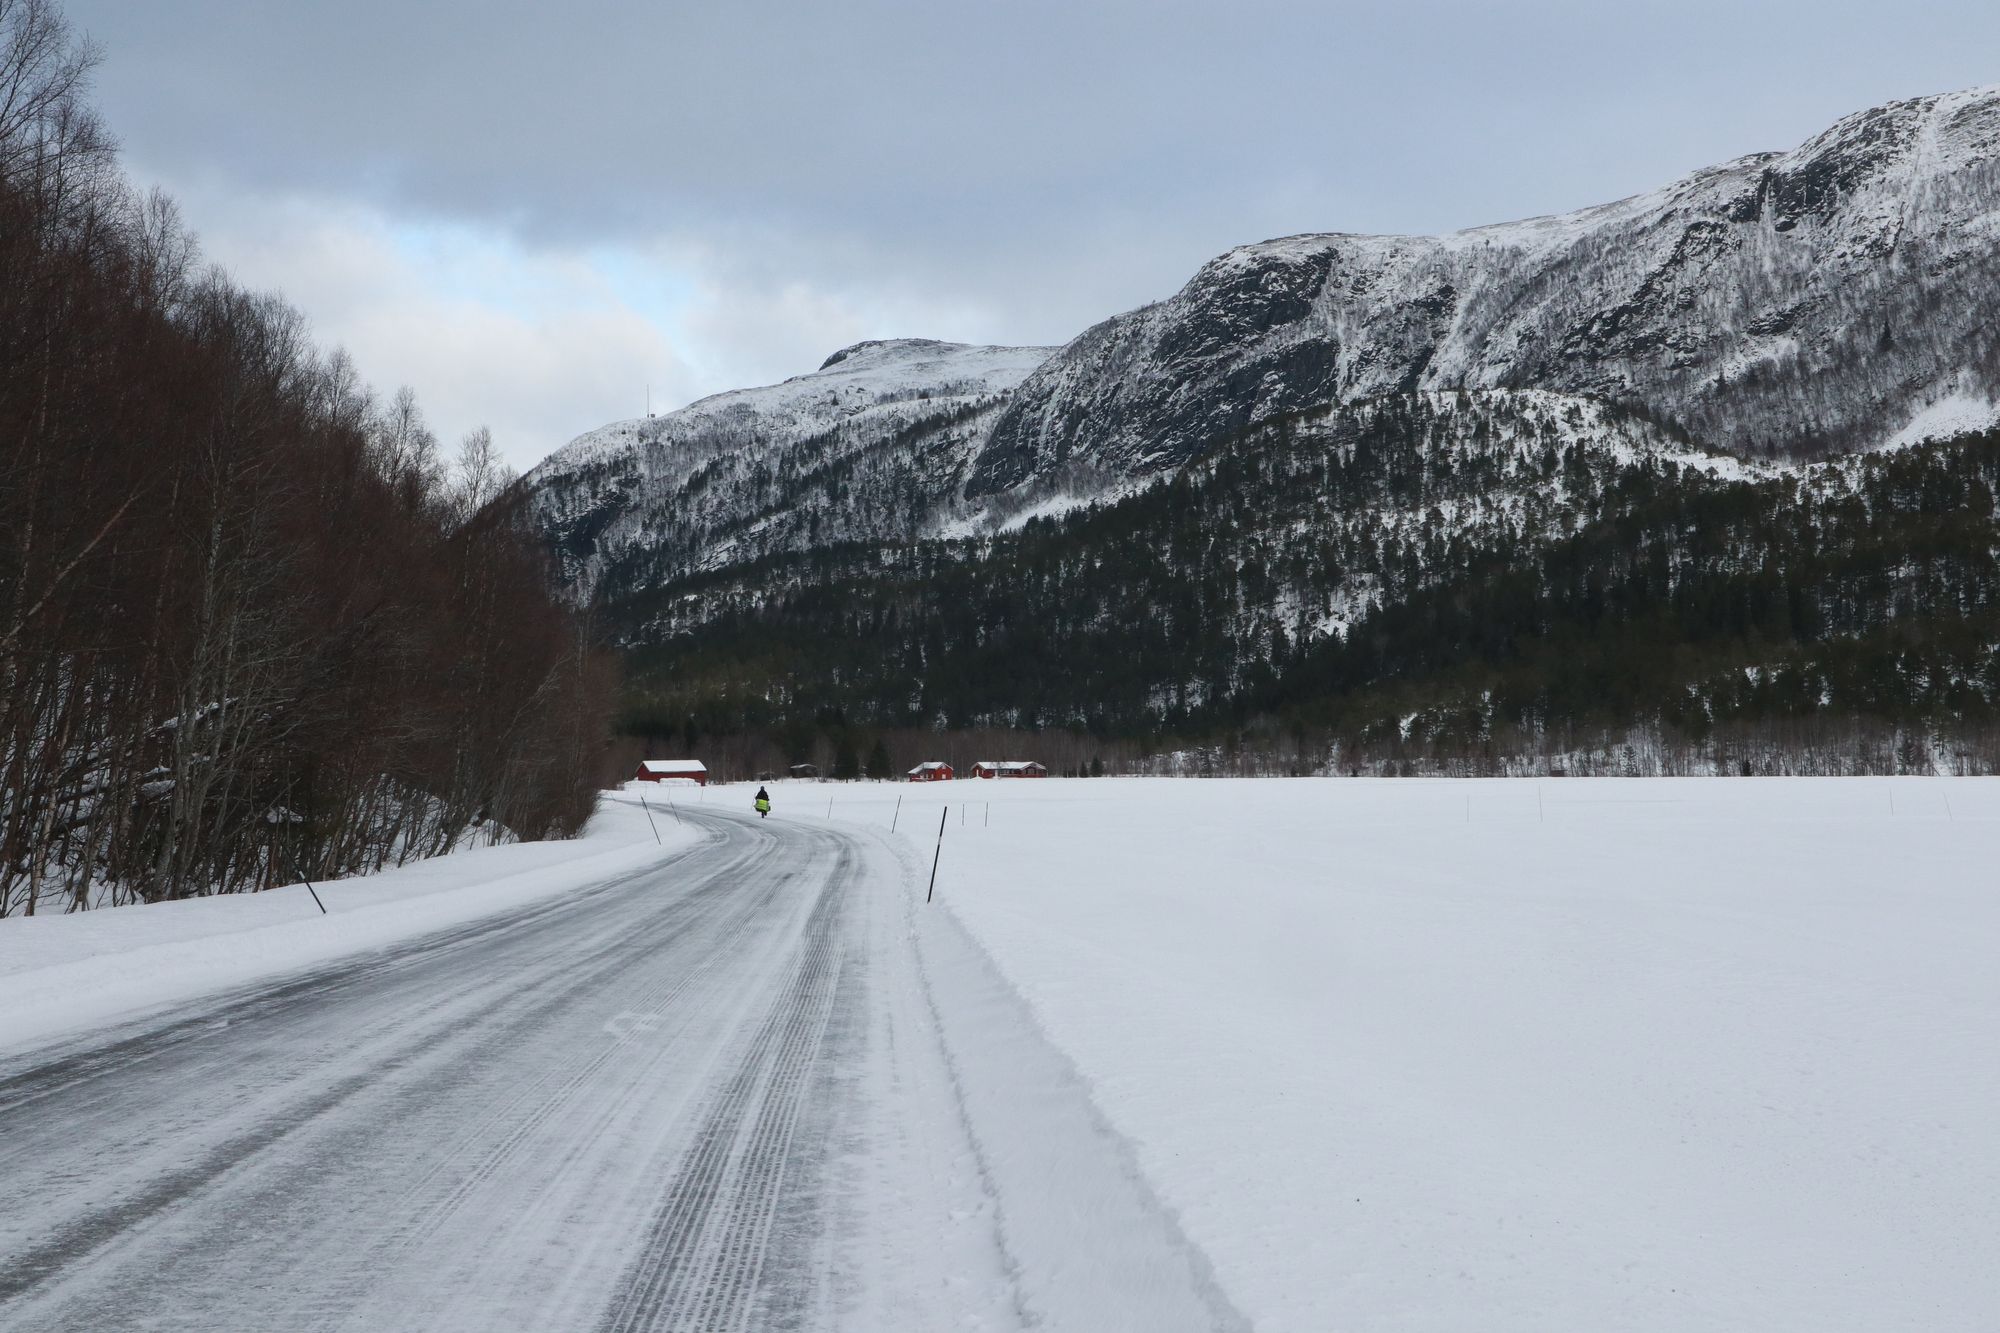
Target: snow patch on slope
(851, 382)
(1949, 417)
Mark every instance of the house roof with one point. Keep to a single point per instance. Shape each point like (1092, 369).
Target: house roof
(1007, 763)
(930, 766)
(673, 766)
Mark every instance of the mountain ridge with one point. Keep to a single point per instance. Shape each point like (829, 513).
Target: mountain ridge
(1668, 300)
(629, 487)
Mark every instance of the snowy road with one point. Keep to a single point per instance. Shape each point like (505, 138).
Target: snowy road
(694, 1096)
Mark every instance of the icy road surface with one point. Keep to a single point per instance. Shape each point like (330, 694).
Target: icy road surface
(713, 1093)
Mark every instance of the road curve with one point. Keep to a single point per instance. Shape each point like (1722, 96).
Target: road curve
(620, 1110)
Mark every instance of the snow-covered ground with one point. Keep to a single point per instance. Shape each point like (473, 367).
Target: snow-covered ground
(1163, 1054)
(1651, 1055)
(66, 974)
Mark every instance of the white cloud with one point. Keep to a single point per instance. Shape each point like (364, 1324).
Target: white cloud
(795, 326)
(543, 342)
(540, 345)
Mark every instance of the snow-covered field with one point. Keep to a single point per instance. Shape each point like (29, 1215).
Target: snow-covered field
(1674, 1055)
(1653, 1055)
(66, 974)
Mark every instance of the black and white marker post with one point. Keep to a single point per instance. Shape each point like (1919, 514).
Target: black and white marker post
(285, 815)
(649, 819)
(942, 816)
(315, 892)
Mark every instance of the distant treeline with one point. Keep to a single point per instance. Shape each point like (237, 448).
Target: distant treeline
(838, 751)
(252, 627)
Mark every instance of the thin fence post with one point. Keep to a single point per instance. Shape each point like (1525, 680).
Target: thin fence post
(649, 818)
(898, 815)
(942, 816)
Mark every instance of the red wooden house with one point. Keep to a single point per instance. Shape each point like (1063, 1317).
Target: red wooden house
(935, 770)
(673, 770)
(1008, 768)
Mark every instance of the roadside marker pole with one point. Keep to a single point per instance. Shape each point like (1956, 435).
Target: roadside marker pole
(989, 814)
(898, 815)
(649, 818)
(829, 805)
(315, 892)
(942, 816)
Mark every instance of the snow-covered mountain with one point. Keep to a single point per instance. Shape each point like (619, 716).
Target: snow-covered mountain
(1787, 304)
(1838, 297)
(879, 435)
(1415, 472)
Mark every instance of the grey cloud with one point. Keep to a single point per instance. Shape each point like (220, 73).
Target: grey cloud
(592, 115)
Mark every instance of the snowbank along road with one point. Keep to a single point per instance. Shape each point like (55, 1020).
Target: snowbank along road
(713, 1093)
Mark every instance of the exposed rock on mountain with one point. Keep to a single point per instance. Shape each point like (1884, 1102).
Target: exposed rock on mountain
(1783, 304)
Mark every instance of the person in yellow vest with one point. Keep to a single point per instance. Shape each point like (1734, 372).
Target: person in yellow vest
(763, 803)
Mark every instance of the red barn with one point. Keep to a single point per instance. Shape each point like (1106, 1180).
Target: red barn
(673, 770)
(935, 770)
(1008, 768)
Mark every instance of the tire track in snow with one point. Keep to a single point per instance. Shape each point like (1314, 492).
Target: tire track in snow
(1088, 1244)
(508, 1144)
(297, 1123)
(536, 1105)
(705, 1249)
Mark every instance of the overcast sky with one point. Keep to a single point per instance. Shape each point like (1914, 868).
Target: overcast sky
(529, 212)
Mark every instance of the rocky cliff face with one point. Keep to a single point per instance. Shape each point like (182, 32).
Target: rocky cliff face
(1784, 304)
